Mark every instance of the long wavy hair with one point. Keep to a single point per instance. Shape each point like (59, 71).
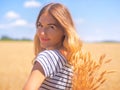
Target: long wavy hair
(71, 43)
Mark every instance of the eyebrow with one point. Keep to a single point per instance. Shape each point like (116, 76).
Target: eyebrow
(48, 24)
(52, 24)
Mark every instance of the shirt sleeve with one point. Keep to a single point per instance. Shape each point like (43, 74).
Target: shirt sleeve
(51, 61)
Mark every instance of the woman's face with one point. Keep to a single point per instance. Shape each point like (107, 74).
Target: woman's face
(49, 32)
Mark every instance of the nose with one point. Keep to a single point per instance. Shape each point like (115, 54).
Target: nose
(41, 31)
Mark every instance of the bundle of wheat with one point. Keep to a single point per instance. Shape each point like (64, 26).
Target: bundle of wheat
(88, 74)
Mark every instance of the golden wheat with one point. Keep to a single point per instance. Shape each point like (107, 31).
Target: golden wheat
(88, 74)
(16, 57)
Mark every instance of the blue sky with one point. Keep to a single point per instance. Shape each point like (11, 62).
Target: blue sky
(95, 20)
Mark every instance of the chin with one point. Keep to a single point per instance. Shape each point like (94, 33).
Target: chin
(44, 46)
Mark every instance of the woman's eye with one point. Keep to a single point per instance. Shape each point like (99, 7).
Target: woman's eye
(52, 27)
(39, 25)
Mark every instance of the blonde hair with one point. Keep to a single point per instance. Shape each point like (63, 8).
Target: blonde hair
(71, 42)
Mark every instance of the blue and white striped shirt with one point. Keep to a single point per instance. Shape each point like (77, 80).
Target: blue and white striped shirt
(57, 70)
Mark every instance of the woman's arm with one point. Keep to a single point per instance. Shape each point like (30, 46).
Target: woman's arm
(36, 78)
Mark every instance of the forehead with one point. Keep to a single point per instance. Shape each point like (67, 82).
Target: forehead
(47, 18)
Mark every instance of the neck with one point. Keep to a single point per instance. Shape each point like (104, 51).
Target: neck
(63, 52)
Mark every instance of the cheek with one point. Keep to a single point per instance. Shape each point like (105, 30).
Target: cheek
(59, 37)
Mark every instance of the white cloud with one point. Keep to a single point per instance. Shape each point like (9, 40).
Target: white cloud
(32, 4)
(15, 22)
(19, 22)
(11, 15)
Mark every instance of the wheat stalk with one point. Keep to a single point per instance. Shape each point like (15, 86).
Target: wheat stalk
(87, 73)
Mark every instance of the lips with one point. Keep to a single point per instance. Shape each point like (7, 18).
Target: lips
(44, 39)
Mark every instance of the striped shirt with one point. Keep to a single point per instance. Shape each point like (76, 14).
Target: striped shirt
(57, 70)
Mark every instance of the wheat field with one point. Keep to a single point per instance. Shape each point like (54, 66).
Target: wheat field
(16, 63)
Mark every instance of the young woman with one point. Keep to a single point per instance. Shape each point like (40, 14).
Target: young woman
(57, 47)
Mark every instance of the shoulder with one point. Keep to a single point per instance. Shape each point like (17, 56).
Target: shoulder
(51, 61)
(48, 54)
(53, 54)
